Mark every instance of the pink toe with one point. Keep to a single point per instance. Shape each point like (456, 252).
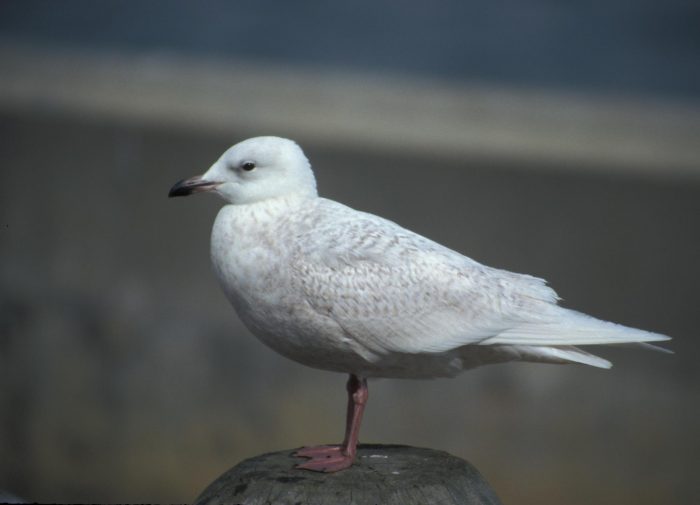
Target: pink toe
(327, 465)
(318, 451)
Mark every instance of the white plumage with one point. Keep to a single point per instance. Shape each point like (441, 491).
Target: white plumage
(343, 290)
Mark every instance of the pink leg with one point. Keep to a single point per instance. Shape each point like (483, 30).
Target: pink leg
(331, 458)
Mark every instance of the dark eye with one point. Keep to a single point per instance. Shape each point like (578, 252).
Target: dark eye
(248, 166)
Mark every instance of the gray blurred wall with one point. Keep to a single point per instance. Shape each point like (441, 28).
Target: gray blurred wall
(125, 376)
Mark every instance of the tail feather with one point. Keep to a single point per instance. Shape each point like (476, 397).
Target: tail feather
(652, 347)
(569, 327)
(562, 355)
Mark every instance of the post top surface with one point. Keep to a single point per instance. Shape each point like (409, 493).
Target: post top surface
(387, 474)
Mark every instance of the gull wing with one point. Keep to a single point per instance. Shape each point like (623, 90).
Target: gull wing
(392, 290)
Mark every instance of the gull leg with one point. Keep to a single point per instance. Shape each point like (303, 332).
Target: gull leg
(331, 458)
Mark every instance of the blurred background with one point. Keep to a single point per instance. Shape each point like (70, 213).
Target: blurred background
(556, 139)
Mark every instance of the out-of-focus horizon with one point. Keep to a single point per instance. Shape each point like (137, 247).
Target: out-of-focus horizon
(549, 139)
(607, 47)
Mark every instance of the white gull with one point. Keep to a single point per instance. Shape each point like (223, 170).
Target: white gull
(343, 290)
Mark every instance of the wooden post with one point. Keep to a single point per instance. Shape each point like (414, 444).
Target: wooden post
(381, 475)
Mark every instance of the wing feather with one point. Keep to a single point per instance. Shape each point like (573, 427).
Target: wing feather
(395, 291)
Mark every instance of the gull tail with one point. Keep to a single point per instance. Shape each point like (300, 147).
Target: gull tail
(561, 355)
(569, 328)
(653, 347)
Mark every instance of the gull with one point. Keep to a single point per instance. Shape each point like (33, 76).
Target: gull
(342, 290)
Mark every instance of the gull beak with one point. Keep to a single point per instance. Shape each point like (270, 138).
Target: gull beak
(192, 185)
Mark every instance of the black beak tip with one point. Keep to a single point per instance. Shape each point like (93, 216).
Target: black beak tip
(192, 185)
(180, 188)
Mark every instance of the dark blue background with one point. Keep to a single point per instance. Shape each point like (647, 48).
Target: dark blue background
(642, 47)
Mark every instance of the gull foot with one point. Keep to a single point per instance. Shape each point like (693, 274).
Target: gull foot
(324, 458)
(318, 451)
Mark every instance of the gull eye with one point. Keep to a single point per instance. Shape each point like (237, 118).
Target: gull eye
(248, 166)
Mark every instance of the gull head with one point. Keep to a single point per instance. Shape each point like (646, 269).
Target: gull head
(254, 170)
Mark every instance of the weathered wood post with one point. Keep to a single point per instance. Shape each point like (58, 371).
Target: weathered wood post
(381, 475)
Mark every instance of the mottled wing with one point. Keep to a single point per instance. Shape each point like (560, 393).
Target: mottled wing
(392, 290)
